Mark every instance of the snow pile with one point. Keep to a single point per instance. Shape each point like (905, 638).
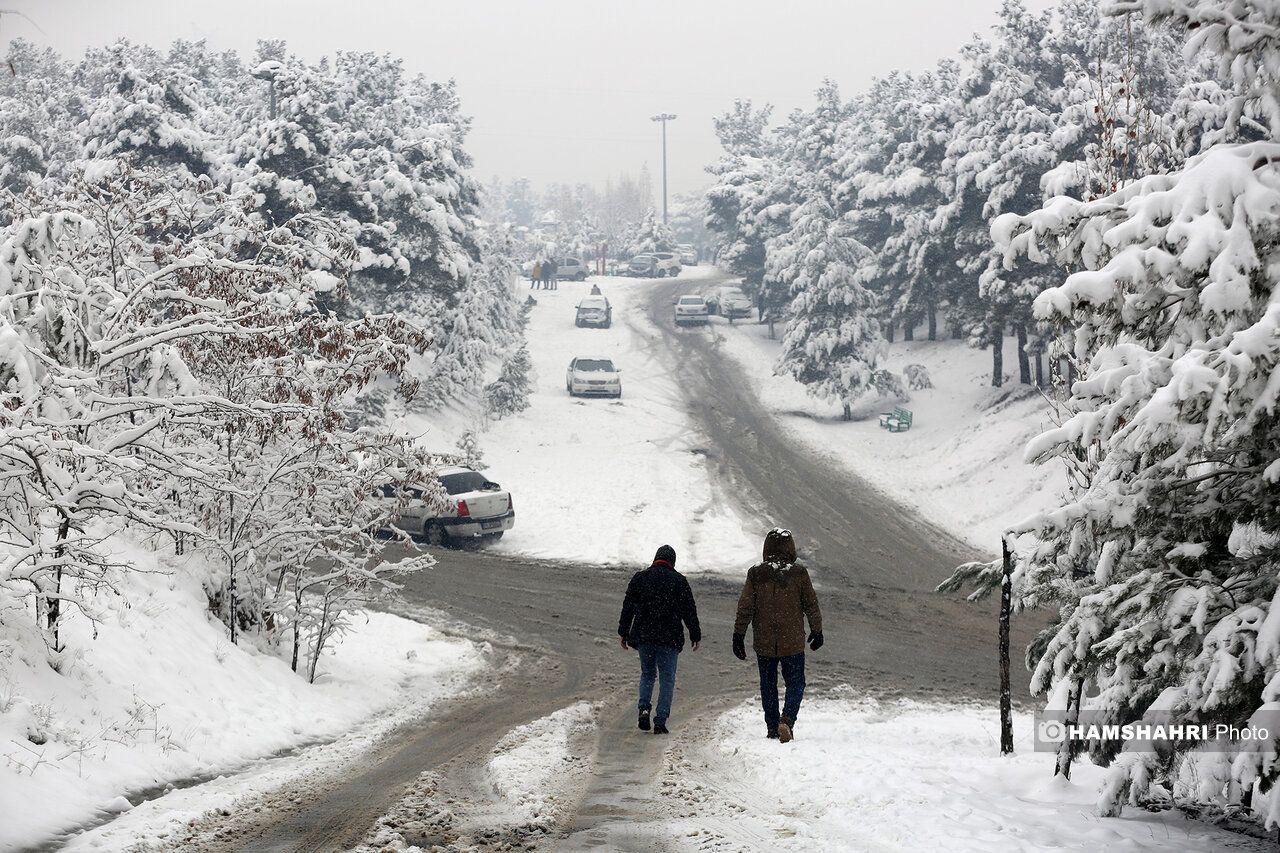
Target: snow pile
(960, 465)
(536, 764)
(865, 775)
(161, 696)
(603, 480)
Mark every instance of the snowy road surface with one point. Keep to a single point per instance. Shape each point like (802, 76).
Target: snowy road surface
(445, 782)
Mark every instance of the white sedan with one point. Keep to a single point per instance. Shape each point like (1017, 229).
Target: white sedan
(475, 507)
(593, 377)
(691, 309)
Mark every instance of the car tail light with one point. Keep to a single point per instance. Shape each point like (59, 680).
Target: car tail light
(463, 509)
(510, 504)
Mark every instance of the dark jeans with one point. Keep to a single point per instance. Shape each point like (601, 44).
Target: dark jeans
(657, 663)
(793, 675)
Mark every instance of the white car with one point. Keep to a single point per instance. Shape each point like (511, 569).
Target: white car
(571, 269)
(688, 255)
(665, 263)
(593, 377)
(691, 309)
(475, 507)
(732, 303)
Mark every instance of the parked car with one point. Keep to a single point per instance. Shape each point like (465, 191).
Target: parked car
(594, 311)
(732, 303)
(643, 266)
(666, 263)
(475, 507)
(571, 269)
(691, 309)
(593, 377)
(688, 255)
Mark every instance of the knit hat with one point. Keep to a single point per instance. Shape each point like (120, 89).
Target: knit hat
(666, 554)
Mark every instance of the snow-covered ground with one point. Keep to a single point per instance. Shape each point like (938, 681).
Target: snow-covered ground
(602, 480)
(160, 696)
(960, 464)
(904, 776)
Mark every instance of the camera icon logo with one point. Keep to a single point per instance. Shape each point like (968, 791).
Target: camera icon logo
(1051, 731)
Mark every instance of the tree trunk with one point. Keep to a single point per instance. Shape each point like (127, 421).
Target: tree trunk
(1024, 364)
(1039, 369)
(997, 356)
(957, 329)
(1006, 608)
(909, 329)
(888, 333)
(933, 321)
(848, 412)
(1071, 374)
(1066, 751)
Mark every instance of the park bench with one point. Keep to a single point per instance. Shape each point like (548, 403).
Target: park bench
(899, 420)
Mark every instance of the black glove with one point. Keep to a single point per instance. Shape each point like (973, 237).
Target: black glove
(740, 646)
(815, 640)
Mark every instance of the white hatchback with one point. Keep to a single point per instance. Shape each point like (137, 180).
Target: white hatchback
(593, 377)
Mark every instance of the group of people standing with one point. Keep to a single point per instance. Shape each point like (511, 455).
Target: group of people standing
(776, 599)
(543, 275)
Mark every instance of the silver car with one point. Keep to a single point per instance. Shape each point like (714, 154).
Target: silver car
(593, 377)
(474, 507)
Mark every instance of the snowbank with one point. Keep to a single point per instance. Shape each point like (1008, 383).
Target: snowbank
(536, 764)
(601, 480)
(960, 465)
(864, 775)
(161, 696)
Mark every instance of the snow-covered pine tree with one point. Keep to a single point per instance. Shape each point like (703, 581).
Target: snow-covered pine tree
(833, 343)
(650, 235)
(1164, 560)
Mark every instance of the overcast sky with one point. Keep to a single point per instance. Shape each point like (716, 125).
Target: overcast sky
(563, 90)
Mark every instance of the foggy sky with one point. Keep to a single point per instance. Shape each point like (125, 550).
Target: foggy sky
(563, 90)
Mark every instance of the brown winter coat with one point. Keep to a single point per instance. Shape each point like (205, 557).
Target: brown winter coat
(776, 598)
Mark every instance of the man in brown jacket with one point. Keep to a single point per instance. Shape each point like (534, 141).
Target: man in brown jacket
(776, 599)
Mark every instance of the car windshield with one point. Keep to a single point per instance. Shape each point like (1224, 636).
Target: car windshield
(593, 302)
(593, 365)
(463, 482)
(641, 259)
(691, 300)
(733, 294)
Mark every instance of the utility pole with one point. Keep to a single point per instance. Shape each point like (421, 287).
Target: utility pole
(664, 118)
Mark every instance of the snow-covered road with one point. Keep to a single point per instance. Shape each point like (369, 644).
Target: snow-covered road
(608, 481)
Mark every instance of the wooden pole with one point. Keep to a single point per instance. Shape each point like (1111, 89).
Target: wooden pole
(1006, 605)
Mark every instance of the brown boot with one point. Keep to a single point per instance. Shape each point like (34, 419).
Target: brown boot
(784, 729)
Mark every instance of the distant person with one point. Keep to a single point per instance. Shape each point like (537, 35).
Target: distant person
(549, 269)
(658, 607)
(535, 276)
(776, 599)
(595, 290)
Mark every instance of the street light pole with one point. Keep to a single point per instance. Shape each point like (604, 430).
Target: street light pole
(664, 118)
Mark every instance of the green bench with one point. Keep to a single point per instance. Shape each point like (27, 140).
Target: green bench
(899, 420)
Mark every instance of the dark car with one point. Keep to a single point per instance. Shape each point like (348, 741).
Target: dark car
(594, 311)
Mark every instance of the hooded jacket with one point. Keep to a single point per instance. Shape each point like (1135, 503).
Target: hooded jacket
(776, 599)
(658, 600)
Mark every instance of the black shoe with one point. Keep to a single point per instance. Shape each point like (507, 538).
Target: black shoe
(660, 729)
(644, 720)
(772, 734)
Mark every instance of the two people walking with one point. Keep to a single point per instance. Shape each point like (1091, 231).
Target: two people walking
(776, 599)
(543, 275)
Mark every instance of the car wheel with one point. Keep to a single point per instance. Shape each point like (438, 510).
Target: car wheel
(434, 534)
(581, 277)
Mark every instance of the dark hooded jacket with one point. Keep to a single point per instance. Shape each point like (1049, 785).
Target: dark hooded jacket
(658, 601)
(776, 599)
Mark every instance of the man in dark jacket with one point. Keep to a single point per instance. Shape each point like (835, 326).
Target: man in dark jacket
(776, 599)
(658, 601)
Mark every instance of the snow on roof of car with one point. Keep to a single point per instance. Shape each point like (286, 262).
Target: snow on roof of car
(445, 470)
(592, 302)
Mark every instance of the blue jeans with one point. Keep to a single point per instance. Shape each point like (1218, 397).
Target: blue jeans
(793, 675)
(657, 663)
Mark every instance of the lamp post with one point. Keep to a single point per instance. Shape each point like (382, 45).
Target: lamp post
(664, 118)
